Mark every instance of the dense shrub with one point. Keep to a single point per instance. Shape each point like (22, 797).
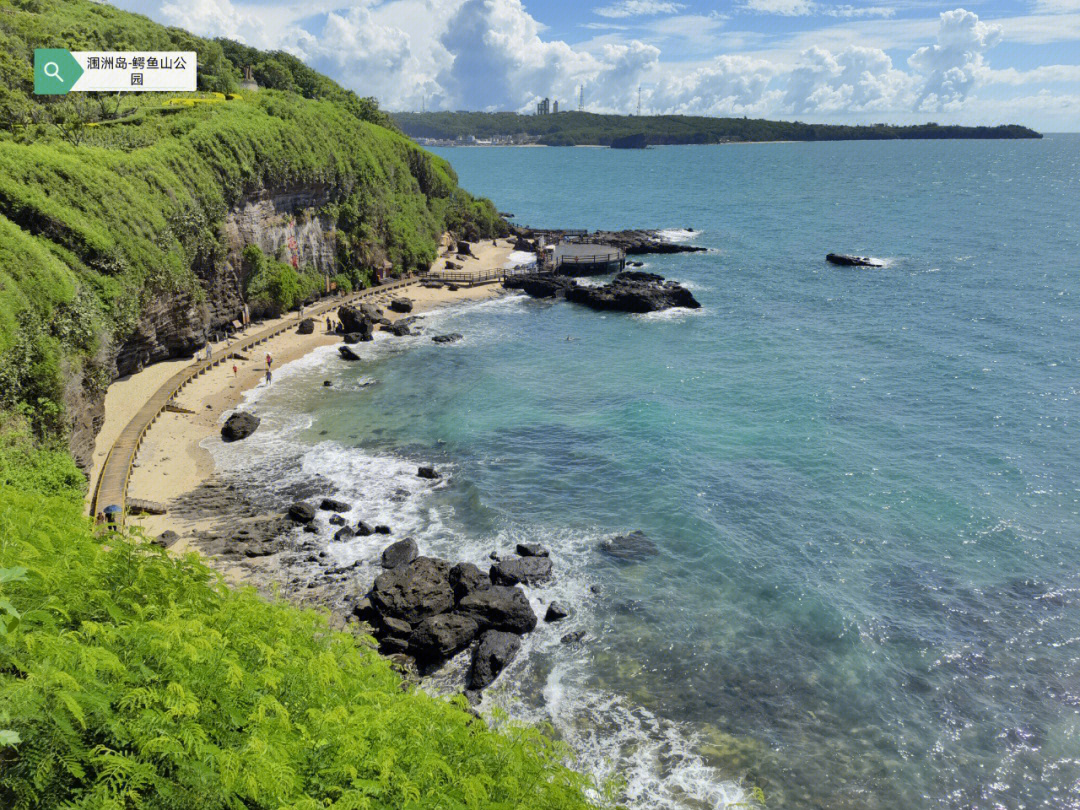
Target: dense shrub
(130, 679)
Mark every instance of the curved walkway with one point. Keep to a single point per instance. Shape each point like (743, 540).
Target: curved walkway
(112, 484)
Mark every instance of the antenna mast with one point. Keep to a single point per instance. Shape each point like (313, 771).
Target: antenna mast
(639, 101)
(581, 98)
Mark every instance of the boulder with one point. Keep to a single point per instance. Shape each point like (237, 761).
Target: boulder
(337, 520)
(354, 319)
(400, 328)
(494, 652)
(334, 505)
(452, 265)
(400, 553)
(344, 533)
(844, 260)
(452, 287)
(521, 571)
(382, 529)
(396, 627)
(352, 338)
(328, 384)
(523, 245)
(239, 426)
(556, 612)
(370, 311)
(347, 353)
(311, 528)
(301, 512)
(306, 327)
(450, 338)
(365, 611)
(437, 638)
(429, 473)
(465, 248)
(531, 550)
(400, 305)
(637, 275)
(364, 530)
(415, 591)
(632, 547)
(390, 645)
(466, 578)
(499, 608)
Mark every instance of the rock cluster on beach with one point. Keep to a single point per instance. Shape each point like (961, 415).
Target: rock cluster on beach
(629, 291)
(431, 609)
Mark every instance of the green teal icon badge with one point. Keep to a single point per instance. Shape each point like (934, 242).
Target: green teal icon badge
(55, 71)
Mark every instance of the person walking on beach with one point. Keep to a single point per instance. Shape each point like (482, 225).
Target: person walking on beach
(235, 371)
(269, 377)
(269, 361)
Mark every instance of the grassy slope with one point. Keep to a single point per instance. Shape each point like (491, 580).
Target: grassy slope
(96, 220)
(572, 128)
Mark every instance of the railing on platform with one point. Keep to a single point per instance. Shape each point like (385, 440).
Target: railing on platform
(480, 276)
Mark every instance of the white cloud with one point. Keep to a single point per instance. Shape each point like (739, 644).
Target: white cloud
(951, 67)
(1056, 6)
(856, 79)
(859, 11)
(638, 8)
(788, 8)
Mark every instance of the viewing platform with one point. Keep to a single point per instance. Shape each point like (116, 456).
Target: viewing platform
(585, 259)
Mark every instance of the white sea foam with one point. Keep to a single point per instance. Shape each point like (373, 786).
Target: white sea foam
(677, 234)
(673, 314)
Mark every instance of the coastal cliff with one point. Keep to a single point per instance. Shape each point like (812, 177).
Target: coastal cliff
(131, 233)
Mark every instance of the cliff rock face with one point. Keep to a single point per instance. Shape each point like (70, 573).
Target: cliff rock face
(284, 223)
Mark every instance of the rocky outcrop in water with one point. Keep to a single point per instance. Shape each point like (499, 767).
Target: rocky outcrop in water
(844, 260)
(629, 291)
(632, 547)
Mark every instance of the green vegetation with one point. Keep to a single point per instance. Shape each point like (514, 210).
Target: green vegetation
(130, 679)
(107, 203)
(273, 286)
(33, 467)
(578, 128)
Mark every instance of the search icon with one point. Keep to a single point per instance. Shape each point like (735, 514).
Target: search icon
(52, 70)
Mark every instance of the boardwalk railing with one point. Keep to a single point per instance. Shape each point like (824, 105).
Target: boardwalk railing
(480, 276)
(115, 474)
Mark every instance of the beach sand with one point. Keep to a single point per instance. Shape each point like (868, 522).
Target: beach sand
(171, 462)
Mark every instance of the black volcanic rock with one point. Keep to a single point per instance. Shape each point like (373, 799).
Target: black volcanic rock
(495, 651)
(239, 426)
(631, 295)
(556, 612)
(306, 327)
(429, 473)
(301, 512)
(522, 570)
(845, 260)
(401, 304)
(500, 608)
(466, 578)
(415, 591)
(531, 550)
(632, 242)
(347, 353)
(450, 338)
(538, 285)
(334, 505)
(437, 638)
(400, 553)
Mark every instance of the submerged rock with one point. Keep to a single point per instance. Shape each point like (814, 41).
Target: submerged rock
(347, 353)
(531, 550)
(495, 651)
(450, 338)
(363, 529)
(429, 473)
(632, 547)
(239, 426)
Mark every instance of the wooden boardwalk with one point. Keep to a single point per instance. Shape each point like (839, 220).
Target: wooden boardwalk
(111, 486)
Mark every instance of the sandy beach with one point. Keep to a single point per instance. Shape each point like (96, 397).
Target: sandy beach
(171, 463)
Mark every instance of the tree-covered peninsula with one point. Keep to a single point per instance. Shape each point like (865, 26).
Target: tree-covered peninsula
(590, 129)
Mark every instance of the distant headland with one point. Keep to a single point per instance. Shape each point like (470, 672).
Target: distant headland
(589, 129)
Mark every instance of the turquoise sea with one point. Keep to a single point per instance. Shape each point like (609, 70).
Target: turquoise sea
(864, 484)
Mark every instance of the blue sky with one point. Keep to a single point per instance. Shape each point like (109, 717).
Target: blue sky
(983, 62)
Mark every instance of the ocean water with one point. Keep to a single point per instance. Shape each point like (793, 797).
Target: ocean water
(864, 484)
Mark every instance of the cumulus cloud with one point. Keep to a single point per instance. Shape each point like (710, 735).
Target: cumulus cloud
(951, 67)
(493, 54)
(856, 79)
(638, 8)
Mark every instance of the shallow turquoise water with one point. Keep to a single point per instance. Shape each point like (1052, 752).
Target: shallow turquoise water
(864, 483)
